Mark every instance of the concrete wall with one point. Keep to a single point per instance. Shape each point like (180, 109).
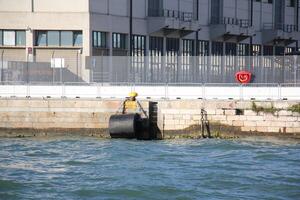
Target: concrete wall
(35, 116)
(181, 115)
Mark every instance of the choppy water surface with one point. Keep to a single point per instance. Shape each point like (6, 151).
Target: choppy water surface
(87, 168)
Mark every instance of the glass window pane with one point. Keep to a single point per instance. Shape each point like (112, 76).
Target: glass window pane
(53, 38)
(9, 38)
(103, 39)
(99, 39)
(66, 38)
(95, 42)
(41, 38)
(21, 38)
(78, 38)
(1, 36)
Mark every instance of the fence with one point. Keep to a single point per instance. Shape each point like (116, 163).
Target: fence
(170, 69)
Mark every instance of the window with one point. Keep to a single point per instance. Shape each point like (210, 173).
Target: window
(230, 49)
(243, 49)
(256, 50)
(217, 48)
(58, 38)
(9, 38)
(268, 50)
(156, 45)
(1, 37)
(139, 44)
(41, 38)
(20, 38)
(99, 39)
(119, 41)
(188, 47)
(66, 38)
(203, 48)
(77, 38)
(172, 44)
(53, 38)
(291, 3)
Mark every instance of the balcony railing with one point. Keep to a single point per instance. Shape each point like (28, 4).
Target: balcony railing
(289, 28)
(182, 16)
(243, 23)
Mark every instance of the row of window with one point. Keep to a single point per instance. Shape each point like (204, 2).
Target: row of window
(289, 3)
(12, 38)
(58, 38)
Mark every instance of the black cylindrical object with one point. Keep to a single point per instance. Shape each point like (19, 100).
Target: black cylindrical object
(124, 126)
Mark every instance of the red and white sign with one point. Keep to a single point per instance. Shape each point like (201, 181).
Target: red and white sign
(243, 77)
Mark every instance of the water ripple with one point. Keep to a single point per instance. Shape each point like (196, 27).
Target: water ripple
(87, 168)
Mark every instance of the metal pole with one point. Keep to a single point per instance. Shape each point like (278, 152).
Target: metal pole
(295, 70)
(2, 63)
(130, 28)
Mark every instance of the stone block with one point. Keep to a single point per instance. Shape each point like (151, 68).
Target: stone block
(218, 117)
(263, 123)
(238, 123)
(186, 117)
(295, 114)
(255, 118)
(245, 105)
(210, 111)
(281, 104)
(248, 129)
(169, 122)
(288, 119)
(262, 129)
(230, 112)
(169, 117)
(249, 113)
(285, 113)
(250, 123)
(274, 129)
(278, 124)
(297, 130)
(226, 122)
(236, 118)
(220, 112)
(196, 117)
(182, 122)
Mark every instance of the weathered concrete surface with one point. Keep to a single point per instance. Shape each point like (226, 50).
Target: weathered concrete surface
(176, 118)
(228, 119)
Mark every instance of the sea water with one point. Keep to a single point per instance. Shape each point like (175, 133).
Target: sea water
(89, 168)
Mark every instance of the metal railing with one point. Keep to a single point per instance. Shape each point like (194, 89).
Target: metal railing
(182, 16)
(288, 28)
(243, 23)
(155, 69)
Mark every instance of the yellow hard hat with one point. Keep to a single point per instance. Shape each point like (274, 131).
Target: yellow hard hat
(133, 94)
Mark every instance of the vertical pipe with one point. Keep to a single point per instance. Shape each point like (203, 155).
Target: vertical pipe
(2, 63)
(32, 5)
(251, 14)
(130, 27)
(297, 22)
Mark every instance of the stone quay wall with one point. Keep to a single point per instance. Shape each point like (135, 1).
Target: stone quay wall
(175, 118)
(228, 118)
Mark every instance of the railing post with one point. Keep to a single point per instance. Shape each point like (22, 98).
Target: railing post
(27, 90)
(279, 91)
(203, 91)
(241, 92)
(63, 90)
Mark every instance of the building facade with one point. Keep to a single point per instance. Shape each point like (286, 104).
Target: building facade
(38, 31)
